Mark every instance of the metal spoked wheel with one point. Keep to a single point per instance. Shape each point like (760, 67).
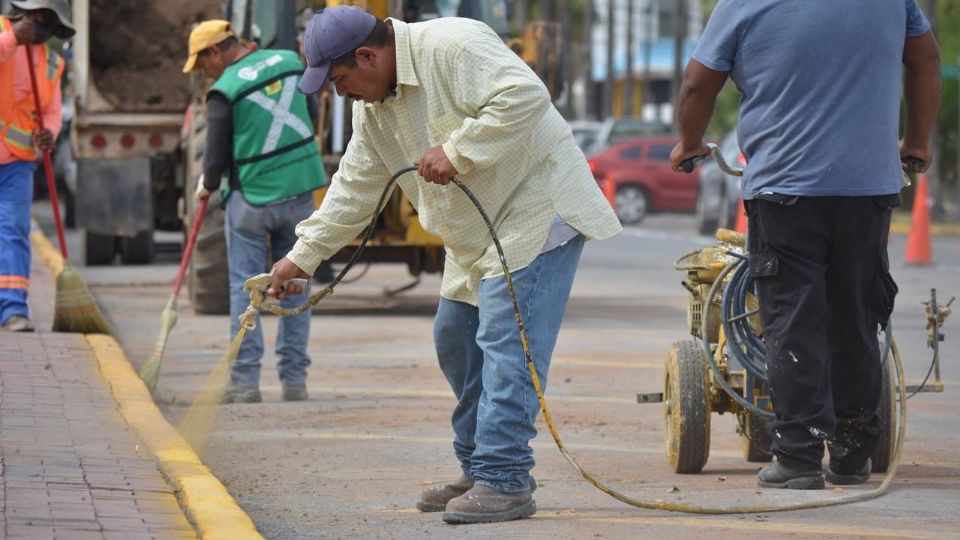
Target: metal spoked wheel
(686, 408)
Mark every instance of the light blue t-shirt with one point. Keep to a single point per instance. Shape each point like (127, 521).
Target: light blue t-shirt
(820, 83)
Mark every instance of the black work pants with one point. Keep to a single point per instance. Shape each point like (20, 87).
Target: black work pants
(822, 276)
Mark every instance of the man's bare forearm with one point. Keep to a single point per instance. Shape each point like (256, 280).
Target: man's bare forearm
(698, 97)
(921, 88)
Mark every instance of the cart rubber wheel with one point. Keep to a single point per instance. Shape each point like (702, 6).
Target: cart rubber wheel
(686, 408)
(756, 441)
(883, 454)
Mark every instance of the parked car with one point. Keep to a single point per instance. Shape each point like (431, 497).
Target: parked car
(617, 130)
(585, 132)
(638, 171)
(719, 193)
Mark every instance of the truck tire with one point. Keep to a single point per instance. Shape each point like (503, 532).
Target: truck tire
(138, 249)
(99, 249)
(209, 273)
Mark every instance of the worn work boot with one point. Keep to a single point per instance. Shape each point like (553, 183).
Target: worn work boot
(18, 323)
(780, 476)
(483, 504)
(295, 392)
(240, 393)
(435, 498)
(841, 477)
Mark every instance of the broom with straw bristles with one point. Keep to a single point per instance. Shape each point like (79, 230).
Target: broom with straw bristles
(168, 318)
(75, 309)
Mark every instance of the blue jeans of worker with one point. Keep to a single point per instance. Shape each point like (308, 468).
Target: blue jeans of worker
(256, 235)
(16, 192)
(480, 354)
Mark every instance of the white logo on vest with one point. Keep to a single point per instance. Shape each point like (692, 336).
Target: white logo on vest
(250, 73)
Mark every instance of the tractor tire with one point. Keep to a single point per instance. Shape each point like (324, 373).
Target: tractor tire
(209, 273)
(883, 453)
(686, 408)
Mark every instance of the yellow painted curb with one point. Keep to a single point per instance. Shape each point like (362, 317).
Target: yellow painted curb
(214, 513)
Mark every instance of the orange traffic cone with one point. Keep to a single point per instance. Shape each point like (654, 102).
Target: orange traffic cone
(740, 223)
(919, 250)
(610, 192)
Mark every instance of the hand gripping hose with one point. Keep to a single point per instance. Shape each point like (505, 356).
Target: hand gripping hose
(256, 285)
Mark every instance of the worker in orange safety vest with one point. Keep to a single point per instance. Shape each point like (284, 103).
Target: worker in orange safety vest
(25, 31)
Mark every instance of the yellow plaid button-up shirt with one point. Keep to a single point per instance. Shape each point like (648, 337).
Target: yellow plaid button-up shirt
(459, 86)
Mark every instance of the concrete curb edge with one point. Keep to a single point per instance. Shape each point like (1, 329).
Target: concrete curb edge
(213, 511)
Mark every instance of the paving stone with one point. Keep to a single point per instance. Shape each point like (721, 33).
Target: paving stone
(72, 468)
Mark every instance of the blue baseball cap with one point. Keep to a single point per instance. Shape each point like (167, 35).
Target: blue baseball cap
(330, 34)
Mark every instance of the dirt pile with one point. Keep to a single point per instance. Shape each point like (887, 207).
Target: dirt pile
(138, 47)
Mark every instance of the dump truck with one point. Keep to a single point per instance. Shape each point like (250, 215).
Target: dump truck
(129, 103)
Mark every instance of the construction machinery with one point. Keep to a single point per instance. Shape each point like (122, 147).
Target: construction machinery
(139, 126)
(129, 99)
(399, 237)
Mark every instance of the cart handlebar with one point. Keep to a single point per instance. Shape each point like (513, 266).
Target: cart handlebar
(688, 164)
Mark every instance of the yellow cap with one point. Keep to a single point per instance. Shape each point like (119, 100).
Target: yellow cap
(205, 35)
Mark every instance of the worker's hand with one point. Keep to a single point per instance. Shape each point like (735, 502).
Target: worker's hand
(202, 192)
(24, 31)
(284, 270)
(680, 153)
(435, 167)
(44, 140)
(921, 154)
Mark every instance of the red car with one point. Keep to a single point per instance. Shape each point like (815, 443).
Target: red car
(639, 172)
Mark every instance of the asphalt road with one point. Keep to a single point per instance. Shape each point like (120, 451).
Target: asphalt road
(350, 462)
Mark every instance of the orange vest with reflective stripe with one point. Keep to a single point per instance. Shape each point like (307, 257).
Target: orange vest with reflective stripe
(18, 119)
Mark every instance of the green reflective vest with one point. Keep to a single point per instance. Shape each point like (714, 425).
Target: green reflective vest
(274, 149)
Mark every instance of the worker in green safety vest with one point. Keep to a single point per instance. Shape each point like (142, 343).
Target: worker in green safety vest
(261, 140)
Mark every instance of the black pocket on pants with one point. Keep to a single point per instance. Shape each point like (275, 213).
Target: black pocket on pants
(764, 265)
(884, 294)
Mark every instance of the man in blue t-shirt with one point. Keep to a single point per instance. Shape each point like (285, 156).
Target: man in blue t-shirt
(819, 121)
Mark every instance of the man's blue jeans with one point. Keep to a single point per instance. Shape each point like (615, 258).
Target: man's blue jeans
(16, 192)
(249, 229)
(482, 358)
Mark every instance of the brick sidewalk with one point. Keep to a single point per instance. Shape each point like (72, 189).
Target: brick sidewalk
(70, 466)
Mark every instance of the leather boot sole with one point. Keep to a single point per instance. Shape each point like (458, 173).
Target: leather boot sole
(800, 482)
(430, 507)
(846, 479)
(526, 510)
